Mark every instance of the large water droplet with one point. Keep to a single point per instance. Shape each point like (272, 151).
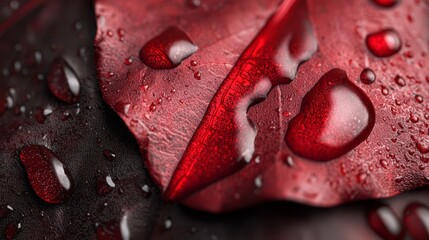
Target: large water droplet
(168, 49)
(48, 176)
(384, 43)
(335, 117)
(385, 223)
(416, 221)
(63, 81)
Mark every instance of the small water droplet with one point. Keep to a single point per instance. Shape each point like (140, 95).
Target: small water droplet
(333, 119)
(168, 49)
(5, 210)
(152, 107)
(12, 229)
(122, 107)
(418, 98)
(63, 82)
(384, 163)
(109, 155)
(400, 81)
(48, 176)
(146, 190)
(385, 223)
(105, 185)
(197, 75)
(414, 118)
(384, 43)
(258, 182)
(384, 90)
(367, 76)
(416, 221)
(129, 61)
(193, 63)
(289, 161)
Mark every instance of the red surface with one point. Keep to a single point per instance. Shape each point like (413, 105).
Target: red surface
(167, 110)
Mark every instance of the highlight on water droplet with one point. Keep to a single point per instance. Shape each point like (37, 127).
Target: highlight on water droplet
(63, 82)
(384, 43)
(49, 177)
(334, 118)
(168, 49)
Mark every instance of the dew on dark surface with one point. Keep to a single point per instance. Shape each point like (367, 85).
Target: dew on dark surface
(5, 211)
(385, 223)
(384, 43)
(48, 176)
(63, 82)
(168, 49)
(109, 155)
(367, 76)
(335, 117)
(416, 221)
(12, 230)
(105, 185)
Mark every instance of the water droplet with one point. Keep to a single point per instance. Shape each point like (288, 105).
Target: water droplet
(414, 118)
(122, 107)
(63, 82)
(416, 221)
(385, 223)
(258, 182)
(384, 90)
(418, 98)
(384, 163)
(129, 61)
(367, 76)
(197, 75)
(384, 43)
(109, 155)
(400, 81)
(168, 49)
(146, 190)
(193, 63)
(334, 118)
(41, 113)
(105, 185)
(12, 229)
(48, 176)
(5, 210)
(152, 107)
(168, 224)
(386, 3)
